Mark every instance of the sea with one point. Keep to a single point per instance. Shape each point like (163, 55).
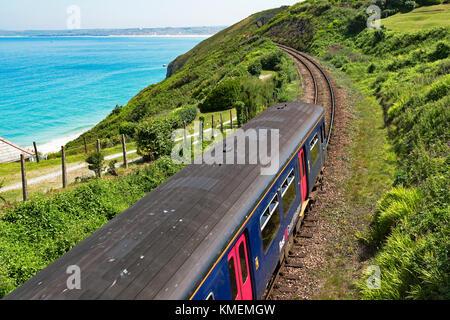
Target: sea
(52, 89)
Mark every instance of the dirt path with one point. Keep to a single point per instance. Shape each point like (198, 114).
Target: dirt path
(73, 170)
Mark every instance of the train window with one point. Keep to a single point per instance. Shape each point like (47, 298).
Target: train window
(210, 296)
(288, 192)
(270, 223)
(314, 148)
(234, 290)
(242, 258)
(303, 166)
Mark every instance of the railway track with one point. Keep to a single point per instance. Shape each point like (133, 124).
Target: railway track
(324, 96)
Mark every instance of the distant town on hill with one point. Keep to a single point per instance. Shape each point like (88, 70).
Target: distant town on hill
(169, 31)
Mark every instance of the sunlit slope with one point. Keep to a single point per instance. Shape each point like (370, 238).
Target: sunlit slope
(419, 19)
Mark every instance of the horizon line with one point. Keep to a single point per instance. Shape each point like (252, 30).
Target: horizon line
(103, 28)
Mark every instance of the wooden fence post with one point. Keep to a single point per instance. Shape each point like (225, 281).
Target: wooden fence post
(36, 151)
(85, 145)
(124, 147)
(64, 169)
(201, 134)
(98, 145)
(221, 122)
(231, 119)
(24, 178)
(212, 126)
(185, 131)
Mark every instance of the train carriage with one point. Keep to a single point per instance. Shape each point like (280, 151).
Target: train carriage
(210, 232)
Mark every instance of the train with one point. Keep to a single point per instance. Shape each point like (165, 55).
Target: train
(210, 232)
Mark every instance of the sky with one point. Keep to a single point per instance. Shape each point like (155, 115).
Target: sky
(54, 15)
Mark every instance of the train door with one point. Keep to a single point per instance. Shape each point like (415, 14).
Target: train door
(303, 183)
(238, 266)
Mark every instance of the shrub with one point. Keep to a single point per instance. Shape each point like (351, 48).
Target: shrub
(439, 89)
(153, 138)
(112, 168)
(442, 51)
(444, 68)
(128, 129)
(408, 6)
(96, 161)
(271, 60)
(255, 68)
(117, 110)
(395, 205)
(357, 23)
(241, 113)
(428, 2)
(188, 114)
(222, 96)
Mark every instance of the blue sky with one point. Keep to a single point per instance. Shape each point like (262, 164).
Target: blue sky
(52, 14)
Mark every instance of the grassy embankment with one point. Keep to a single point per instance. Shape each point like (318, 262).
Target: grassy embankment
(403, 78)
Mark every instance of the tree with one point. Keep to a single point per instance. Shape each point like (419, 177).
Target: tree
(222, 96)
(96, 162)
(153, 138)
(255, 68)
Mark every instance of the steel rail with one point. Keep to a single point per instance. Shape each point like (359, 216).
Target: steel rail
(297, 53)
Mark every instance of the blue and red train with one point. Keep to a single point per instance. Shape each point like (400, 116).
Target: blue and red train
(210, 232)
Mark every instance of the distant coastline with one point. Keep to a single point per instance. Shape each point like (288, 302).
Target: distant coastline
(133, 32)
(52, 93)
(116, 36)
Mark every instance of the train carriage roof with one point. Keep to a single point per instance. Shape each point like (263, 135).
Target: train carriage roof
(163, 245)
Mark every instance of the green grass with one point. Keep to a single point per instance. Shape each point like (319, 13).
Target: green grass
(419, 19)
(368, 170)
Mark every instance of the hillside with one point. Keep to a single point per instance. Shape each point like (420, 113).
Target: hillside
(419, 19)
(192, 77)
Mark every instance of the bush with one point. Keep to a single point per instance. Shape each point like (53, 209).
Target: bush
(439, 89)
(222, 97)
(128, 129)
(357, 23)
(112, 168)
(241, 113)
(408, 6)
(255, 68)
(188, 114)
(428, 2)
(271, 60)
(442, 51)
(153, 138)
(397, 204)
(96, 162)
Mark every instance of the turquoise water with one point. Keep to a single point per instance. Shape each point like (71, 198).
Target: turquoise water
(52, 89)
